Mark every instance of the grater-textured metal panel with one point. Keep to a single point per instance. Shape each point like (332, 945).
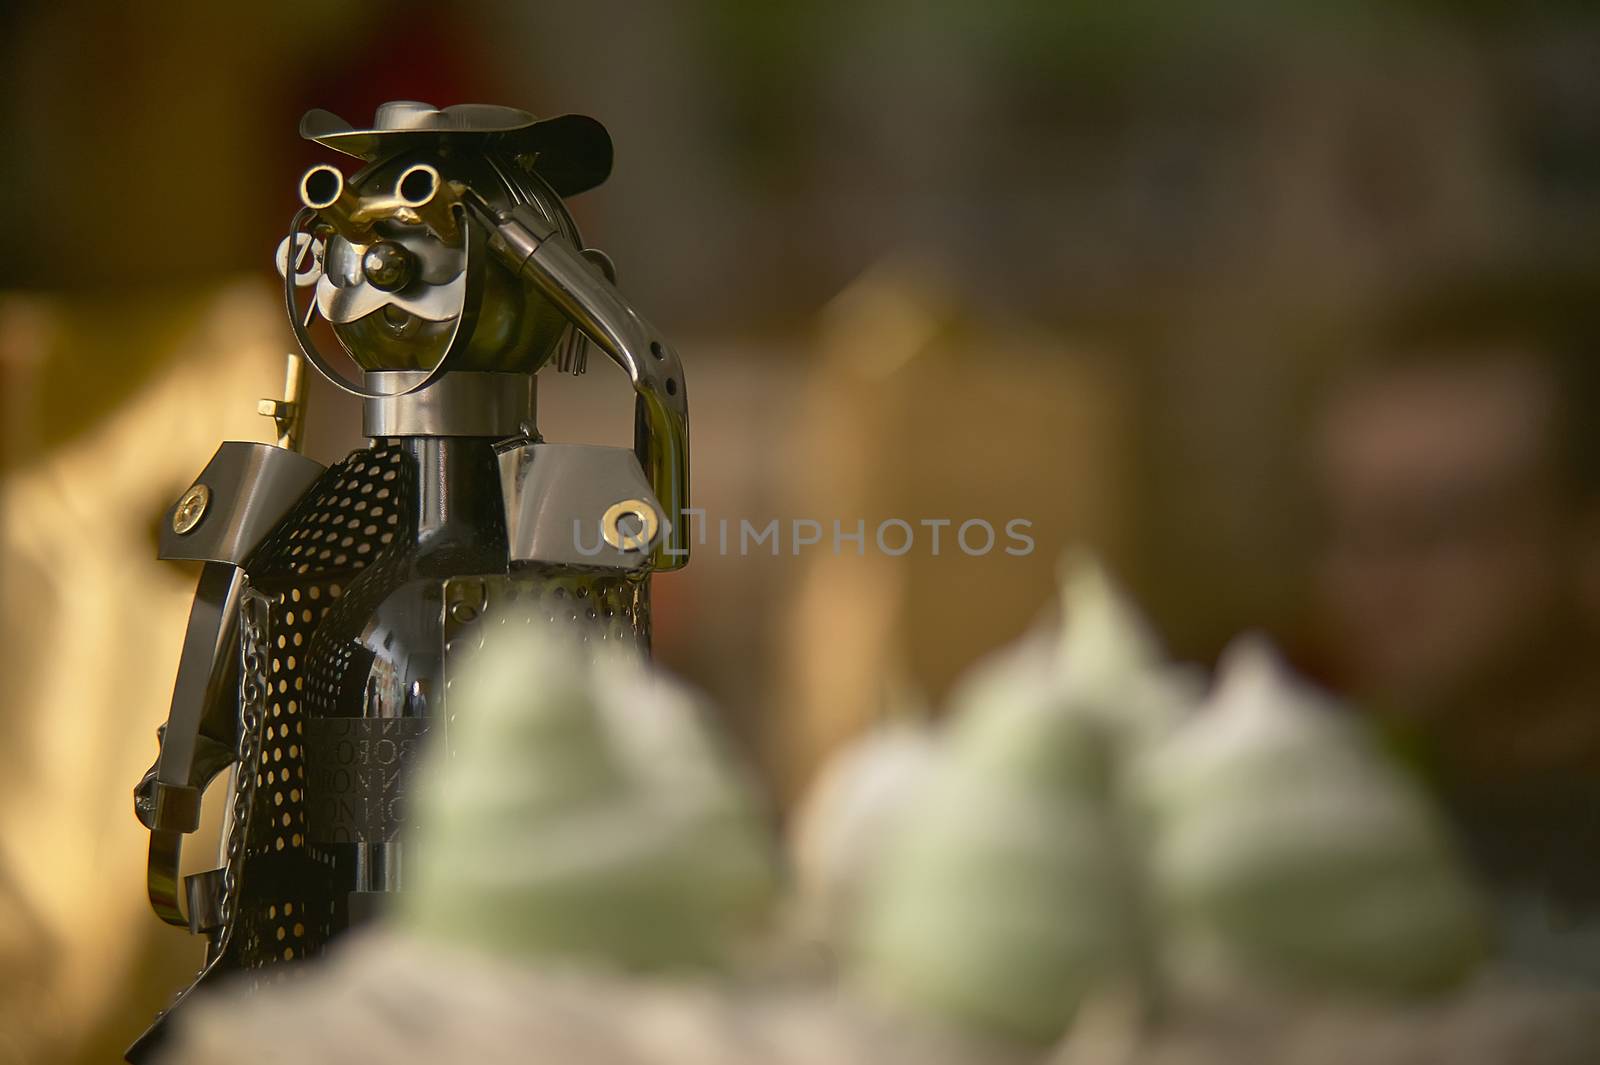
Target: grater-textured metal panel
(353, 518)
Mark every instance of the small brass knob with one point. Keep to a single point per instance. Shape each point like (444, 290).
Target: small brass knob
(388, 266)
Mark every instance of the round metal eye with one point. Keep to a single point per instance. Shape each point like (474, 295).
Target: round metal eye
(418, 185)
(388, 266)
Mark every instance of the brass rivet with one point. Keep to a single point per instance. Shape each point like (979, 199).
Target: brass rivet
(191, 508)
(611, 527)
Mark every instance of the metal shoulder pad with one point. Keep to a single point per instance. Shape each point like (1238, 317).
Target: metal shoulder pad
(243, 492)
(579, 505)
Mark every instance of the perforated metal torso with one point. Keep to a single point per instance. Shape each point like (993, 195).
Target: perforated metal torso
(353, 519)
(357, 618)
(600, 607)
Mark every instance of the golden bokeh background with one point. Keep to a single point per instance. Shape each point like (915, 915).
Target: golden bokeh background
(1083, 264)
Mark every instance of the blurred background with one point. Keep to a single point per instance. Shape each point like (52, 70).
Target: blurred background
(1130, 271)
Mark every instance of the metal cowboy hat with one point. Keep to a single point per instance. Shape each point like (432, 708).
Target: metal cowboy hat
(571, 152)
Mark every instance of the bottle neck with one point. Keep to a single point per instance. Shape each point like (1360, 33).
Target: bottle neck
(457, 403)
(459, 509)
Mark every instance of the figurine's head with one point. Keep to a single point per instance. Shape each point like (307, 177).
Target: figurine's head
(399, 269)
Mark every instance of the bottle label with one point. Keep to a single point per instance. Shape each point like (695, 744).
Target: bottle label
(357, 776)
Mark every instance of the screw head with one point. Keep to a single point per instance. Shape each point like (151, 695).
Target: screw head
(191, 508)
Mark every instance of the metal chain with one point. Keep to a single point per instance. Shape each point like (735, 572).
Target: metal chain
(254, 639)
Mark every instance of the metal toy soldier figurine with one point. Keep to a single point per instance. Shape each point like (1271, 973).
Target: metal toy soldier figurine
(335, 602)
